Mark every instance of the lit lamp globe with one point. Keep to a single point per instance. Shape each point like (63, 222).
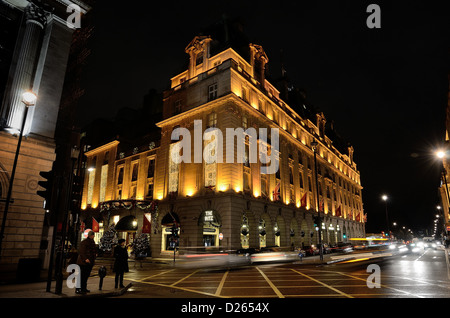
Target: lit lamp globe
(440, 154)
(29, 98)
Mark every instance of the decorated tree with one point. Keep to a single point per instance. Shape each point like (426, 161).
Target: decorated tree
(108, 240)
(141, 246)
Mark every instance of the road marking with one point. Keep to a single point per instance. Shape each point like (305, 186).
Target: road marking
(384, 286)
(328, 286)
(162, 273)
(421, 256)
(177, 287)
(184, 278)
(222, 282)
(275, 289)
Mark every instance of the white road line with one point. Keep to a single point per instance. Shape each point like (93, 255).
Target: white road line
(222, 282)
(323, 284)
(275, 289)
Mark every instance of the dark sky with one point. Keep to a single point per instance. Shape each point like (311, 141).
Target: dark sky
(386, 89)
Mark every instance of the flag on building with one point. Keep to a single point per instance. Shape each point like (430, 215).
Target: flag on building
(303, 200)
(95, 226)
(321, 206)
(276, 193)
(147, 225)
(338, 211)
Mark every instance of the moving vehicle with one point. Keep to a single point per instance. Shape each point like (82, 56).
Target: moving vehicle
(311, 250)
(342, 247)
(274, 254)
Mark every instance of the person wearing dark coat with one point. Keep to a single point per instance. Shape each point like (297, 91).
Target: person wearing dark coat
(86, 259)
(120, 263)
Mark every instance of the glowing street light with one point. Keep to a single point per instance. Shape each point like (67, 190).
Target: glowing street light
(384, 197)
(440, 154)
(29, 99)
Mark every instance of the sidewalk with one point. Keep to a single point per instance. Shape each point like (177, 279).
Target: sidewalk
(38, 290)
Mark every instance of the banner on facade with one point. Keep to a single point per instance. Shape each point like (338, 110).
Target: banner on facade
(95, 226)
(146, 224)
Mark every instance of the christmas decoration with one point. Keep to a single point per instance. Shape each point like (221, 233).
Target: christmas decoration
(108, 240)
(141, 246)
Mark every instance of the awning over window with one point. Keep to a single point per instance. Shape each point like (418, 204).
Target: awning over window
(169, 218)
(127, 224)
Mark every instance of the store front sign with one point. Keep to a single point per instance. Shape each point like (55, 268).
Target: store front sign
(209, 216)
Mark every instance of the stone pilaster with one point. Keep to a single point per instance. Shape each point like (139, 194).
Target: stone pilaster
(26, 65)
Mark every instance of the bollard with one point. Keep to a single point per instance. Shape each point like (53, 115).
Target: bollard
(101, 274)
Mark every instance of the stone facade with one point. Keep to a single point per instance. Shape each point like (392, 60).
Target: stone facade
(23, 229)
(38, 65)
(230, 205)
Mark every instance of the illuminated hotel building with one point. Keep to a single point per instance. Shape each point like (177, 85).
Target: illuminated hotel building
(230, 205)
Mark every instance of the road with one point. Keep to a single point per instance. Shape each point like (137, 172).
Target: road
(403, 275)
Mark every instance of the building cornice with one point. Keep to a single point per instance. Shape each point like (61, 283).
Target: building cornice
(102, 148)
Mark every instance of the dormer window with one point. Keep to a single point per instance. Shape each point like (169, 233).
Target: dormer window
(199, 59)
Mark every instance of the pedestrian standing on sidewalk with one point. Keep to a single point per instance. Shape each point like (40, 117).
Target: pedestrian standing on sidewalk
(87, 254)
(120, 263)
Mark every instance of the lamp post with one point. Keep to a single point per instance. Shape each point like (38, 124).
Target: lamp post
(384, 197)
(29, 99)
(314, 145)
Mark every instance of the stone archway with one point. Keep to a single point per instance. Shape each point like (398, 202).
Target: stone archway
(169, 221)
(209, 224)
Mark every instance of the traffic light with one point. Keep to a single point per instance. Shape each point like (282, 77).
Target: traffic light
(344, 236)
(48, 186)
(316, 220)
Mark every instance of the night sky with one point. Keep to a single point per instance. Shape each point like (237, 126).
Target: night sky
(386, 89)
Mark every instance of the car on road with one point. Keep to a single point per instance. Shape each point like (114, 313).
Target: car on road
(326, 248)
(342, 247)
(247, 251)
(274, 254)
(311, 250)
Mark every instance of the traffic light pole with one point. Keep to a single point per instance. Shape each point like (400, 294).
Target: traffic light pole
(11, 180)
(54, 222)
(60, 256)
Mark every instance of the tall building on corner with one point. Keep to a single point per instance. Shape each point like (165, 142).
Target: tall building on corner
(140, 188)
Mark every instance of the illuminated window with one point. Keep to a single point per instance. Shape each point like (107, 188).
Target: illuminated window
(174, 153)
(91, 186)
(151, 168)
(135, 169)
(103, 181)
(212, 120)
(211, 167)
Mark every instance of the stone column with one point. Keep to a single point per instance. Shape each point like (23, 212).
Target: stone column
(26, 64)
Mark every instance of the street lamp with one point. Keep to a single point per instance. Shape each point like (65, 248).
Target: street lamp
(29, 99)
(314, 145)
(385, 198)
